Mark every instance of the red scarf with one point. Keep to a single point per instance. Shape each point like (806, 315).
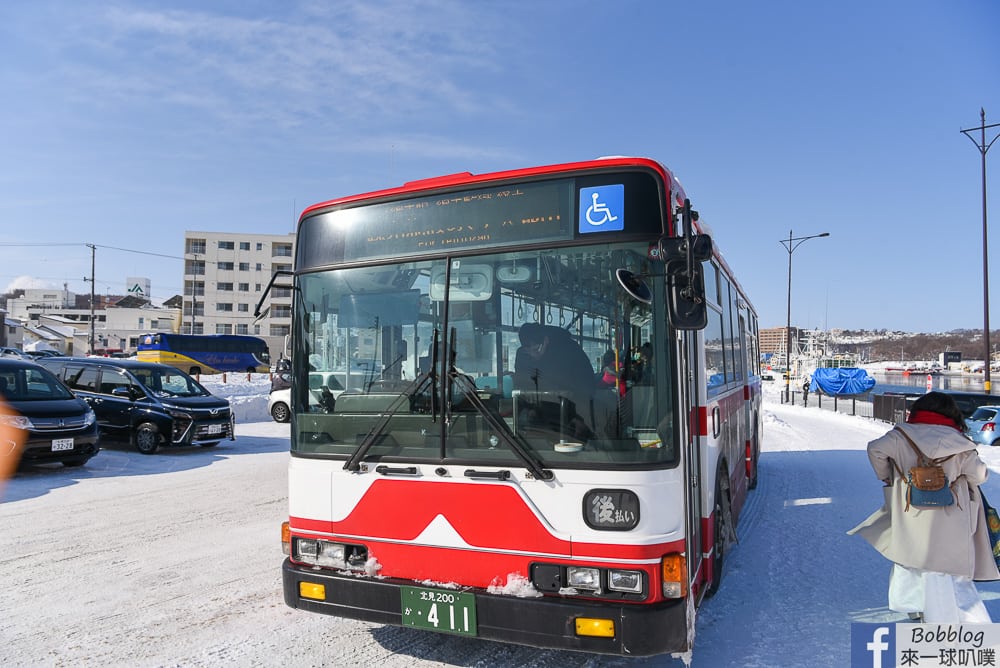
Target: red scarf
(930, 417)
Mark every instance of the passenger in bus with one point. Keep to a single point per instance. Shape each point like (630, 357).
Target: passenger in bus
(549, 360)
(936, 552)
(645, 373)
(326, 399)
(609, 376)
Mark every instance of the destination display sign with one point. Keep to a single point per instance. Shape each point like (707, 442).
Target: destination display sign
(516, 214)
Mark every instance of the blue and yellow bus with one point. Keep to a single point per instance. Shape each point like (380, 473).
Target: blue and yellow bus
(209, 353)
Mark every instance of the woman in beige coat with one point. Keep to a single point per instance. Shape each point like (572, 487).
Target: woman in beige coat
(937, 552)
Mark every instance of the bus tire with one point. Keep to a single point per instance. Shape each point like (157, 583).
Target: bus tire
(146, 438)
(719, 530)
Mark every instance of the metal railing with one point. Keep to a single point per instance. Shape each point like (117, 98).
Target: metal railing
(863, 405)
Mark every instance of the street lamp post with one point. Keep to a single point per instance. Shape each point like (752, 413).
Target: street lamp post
(790, 244)
(983, 148)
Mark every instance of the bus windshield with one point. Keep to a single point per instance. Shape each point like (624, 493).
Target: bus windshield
(537, 352)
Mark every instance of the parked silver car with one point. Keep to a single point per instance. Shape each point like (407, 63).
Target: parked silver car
(982, 425)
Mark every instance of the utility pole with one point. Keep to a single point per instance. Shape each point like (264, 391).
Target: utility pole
(93, 252)
(983, 147)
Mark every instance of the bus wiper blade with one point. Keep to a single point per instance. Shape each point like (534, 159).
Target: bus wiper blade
(498, 426)
(353, 463)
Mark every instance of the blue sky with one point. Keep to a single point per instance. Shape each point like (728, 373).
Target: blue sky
(126, 123)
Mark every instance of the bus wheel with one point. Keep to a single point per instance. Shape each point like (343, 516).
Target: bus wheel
(146, 438)
(719, 530)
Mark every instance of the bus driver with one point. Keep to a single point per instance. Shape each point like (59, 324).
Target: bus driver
(549, 360)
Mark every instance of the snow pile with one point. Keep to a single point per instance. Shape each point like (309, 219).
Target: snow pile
(247, 394)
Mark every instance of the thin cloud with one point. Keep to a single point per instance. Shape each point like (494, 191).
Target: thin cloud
(356, 61)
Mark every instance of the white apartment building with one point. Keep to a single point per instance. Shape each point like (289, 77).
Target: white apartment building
(225, 274)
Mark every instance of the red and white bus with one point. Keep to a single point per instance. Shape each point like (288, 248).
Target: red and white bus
(544, 410)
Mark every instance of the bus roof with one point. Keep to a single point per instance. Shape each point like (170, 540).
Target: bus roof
(465, 179)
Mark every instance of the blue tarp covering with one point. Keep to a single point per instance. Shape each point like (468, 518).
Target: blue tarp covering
(838, 382)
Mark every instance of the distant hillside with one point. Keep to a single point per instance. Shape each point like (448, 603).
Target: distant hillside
(881, 345)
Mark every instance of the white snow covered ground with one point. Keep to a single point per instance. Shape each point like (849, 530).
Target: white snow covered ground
(174, 560)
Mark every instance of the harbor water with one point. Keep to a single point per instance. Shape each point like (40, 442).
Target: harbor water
(897, 381)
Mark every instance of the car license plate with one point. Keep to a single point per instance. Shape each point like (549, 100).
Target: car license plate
(439, 610)
(59, 444)
(215, 429)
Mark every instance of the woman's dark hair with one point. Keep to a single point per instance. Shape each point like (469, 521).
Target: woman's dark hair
(942, 404)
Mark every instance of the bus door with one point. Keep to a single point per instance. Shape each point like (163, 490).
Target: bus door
(687, 404)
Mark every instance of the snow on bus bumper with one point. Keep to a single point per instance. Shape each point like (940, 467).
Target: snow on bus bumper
(639, 630)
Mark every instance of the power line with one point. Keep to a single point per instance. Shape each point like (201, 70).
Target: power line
(126, 250)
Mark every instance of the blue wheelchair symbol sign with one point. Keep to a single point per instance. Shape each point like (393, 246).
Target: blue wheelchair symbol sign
(602, 209)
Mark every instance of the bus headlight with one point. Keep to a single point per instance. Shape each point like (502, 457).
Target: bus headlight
(320, 553)
(329, 554)
(627, 581)
(584, 578)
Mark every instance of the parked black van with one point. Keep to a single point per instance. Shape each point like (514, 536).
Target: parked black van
(145, 404)
(58, 426)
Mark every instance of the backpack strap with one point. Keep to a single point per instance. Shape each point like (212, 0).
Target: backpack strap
(922, 459)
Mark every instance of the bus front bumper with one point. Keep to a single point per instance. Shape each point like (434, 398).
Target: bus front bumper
(549, 622)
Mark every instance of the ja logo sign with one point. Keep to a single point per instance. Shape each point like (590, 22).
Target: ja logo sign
(873, 645)
(602, 209)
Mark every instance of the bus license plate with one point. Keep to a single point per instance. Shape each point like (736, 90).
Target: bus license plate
(439, 610)
(59, 444)
(215, 429)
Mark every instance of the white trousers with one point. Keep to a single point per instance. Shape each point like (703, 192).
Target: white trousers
(943, 598)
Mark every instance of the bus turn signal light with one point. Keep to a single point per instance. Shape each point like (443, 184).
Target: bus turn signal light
(598, 628)
(312, 590)
(286, 538)
(674, 576)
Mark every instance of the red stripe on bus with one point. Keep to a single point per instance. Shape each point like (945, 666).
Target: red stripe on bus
(488, 516)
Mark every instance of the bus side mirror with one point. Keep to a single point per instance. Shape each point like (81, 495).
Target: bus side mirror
(676, 248)
(634, 286)
(686, 307)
